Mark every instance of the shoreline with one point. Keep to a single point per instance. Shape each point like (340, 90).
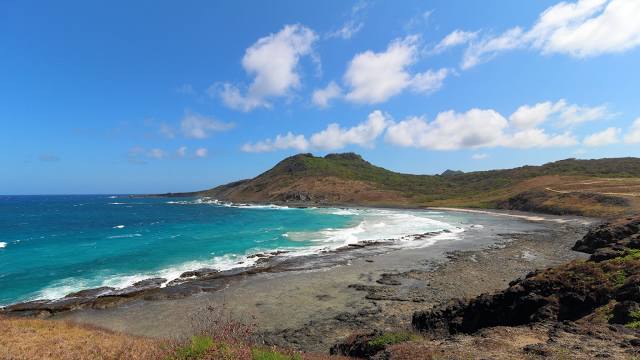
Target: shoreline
(310, 307)
(274, 260)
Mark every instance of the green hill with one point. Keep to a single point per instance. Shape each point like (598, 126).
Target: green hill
(599, 187)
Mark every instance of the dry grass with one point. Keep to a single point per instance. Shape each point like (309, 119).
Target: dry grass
(48, 339)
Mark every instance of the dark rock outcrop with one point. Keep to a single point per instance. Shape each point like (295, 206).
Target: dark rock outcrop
(613, 235)
(567, 292)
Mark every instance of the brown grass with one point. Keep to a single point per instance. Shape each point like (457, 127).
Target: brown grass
(49, 339)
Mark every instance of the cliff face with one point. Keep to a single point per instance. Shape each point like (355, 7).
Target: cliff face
(604, 187)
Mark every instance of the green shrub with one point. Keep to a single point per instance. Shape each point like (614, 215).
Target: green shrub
(269, 354)
(198, 346)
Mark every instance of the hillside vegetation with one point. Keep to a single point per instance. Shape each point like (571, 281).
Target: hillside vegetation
(602, 187)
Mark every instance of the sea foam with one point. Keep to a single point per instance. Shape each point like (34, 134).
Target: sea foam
(3, 245)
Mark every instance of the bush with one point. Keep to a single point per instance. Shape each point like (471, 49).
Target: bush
(198, 347)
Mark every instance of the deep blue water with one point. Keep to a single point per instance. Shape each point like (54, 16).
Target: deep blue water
(53, 245)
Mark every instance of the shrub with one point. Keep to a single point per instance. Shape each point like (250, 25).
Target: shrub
(270, 354)
(198, 347)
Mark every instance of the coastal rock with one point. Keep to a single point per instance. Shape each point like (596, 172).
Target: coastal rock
(200, 273)
(567, 292)
(91, 292)
(622, 232)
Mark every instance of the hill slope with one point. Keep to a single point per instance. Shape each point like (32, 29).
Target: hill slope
(600, 187)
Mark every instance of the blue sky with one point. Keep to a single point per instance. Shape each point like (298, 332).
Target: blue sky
(155, 96)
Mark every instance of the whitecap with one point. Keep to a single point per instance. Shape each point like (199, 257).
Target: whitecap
(3, 245)
(119, 227)
(124, 236)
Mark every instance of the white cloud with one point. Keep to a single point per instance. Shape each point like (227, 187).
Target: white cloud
(480, 156)
(375, 77)
(322, 97)
(490, 47)
(347, 30)
(633, 135)
(363, 134)
(201, 152)
(574, 114)
(605, 137)
(281, 142)
(455, 38)
(580, 29)
(528, 116)
(273, 62)
(531, 116)
(450, 130)
(182, 151)
(476, 128)
(537, 138)
(197, 126)
(429, 81)
(588, 27)
(332, 138)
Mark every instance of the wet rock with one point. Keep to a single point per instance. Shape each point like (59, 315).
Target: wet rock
(92, 292)
(204, 272)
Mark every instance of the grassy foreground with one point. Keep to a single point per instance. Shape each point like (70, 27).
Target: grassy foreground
(35, 339)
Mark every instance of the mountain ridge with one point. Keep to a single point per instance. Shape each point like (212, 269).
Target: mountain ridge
(596, 187)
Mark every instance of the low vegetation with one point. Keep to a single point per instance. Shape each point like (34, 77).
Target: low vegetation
(604, 187)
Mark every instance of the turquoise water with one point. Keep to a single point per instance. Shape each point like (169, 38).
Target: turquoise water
(53, 245)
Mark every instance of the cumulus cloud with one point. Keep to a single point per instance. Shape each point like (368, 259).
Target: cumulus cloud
(633, 135)
(580, 29)
(197, 126)
(322, 97)
(272, 61)
(281, 142)
(375, 77)
(528, 116)
(476, 128)
(455, 38)
(332, 138)
(450, 130)
(606, 137)
(335, 137)
(537, 138)
(429, 81)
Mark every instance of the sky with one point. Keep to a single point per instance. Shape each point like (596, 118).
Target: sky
(115, 97)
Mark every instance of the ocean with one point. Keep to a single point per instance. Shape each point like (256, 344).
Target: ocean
(54, 245)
